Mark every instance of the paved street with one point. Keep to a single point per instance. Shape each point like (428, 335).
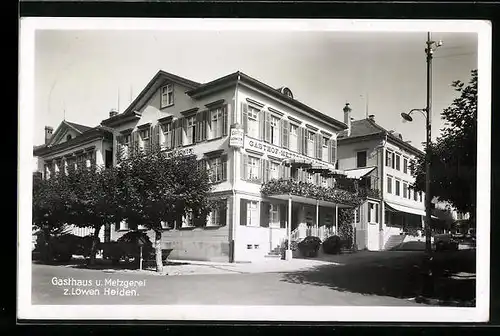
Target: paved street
(361, 279)
(230, 289)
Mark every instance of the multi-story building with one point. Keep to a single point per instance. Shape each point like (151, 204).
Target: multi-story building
(77, 145)
(385, 161)
(282, 138)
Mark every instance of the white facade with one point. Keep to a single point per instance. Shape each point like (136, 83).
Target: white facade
(196, 119)
(399, 207)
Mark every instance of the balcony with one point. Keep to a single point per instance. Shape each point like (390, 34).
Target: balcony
(346, 196)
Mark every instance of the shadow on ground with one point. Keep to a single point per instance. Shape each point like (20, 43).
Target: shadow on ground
(400, 277)
(107, 264)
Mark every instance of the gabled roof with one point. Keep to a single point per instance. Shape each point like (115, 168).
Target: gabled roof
(78, 127)
(63, 126)
(360, 128)
(150, 89)
(240, 77)
(365, 128)
(197, 90)
(89, 134)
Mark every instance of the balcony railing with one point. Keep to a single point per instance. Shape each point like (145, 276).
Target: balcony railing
(310, 190)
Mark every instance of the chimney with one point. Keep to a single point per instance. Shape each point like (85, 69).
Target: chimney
(113, 113)
(371, 117)
(48, 133)
(347, 118)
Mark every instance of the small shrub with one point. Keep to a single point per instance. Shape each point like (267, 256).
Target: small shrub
(332, 245)
(309, 246)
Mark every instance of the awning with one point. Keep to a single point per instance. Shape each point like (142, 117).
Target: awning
(401, 208)
(359, 172)
(300, 163)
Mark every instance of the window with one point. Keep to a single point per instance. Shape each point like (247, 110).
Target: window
(389, 184)
(324, 153)
(217, 169)
(398, 190)
(274, 215)
(217, 217)
(167, 135)
(310, 143)
(216, 123)
(187, 220)
(123, 225)
(190, 130)
(275, 130)
(68, 137)
(324, 181)
(415, 195)
(294, 130)
(405, 190)
(405, 165)
(372, 212)
(361, 159)
(167, 95)
(253, 122)
(389, 159)
(252, 213)
(409, 192)
(398, 163)
(357, 215)
(144, 135)
(420, 196)
(253, 168)
(274, 170)
(166, 225)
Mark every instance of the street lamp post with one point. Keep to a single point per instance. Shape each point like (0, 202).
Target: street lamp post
(427, 112)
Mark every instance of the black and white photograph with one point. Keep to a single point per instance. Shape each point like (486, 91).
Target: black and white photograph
(258, 170)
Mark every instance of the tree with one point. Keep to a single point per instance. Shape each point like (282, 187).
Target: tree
(161, 187)
(453, 154)
(93, 201)
(50, 209)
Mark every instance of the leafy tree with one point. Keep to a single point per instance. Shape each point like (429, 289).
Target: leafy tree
(50, 208)
(161, 187)
(453, 154)
(93, 201)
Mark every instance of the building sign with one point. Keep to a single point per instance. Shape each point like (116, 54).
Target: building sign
(236, 137)
(263, 147)
(182, 151)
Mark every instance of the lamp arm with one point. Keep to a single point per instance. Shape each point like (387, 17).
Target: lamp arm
(423, 111)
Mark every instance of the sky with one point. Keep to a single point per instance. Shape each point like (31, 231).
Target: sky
(81, 74)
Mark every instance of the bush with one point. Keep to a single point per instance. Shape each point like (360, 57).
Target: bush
(332, 245)
(309, 246)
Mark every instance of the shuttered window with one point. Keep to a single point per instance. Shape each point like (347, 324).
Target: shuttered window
(167, 135)
(325, 142)
(190, 129)
(252, 124)
(251, 169)
(217, 169)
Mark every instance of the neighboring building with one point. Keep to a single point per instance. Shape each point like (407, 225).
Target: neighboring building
(284, 138)
(77, 145)
(384, 160)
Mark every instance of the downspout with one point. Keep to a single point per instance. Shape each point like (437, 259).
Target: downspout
(233, 182)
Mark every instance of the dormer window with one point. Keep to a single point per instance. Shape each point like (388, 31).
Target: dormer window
(167, 95)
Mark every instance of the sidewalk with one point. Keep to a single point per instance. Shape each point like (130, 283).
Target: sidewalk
(186, 267)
